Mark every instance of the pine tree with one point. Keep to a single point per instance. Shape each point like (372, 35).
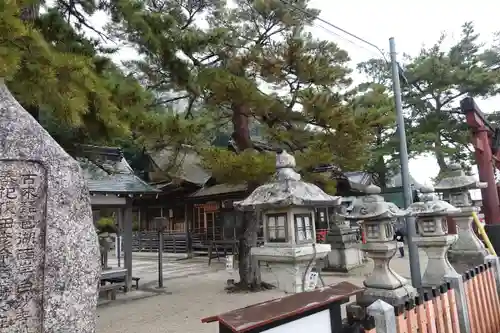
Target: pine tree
(63, 77)
(254, 61)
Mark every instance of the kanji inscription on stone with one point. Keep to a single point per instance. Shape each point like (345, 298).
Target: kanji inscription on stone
(22, 245)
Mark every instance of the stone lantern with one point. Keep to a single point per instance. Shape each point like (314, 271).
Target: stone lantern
(468, 251)
(287, 206)
(378, 218)
(433, 237)
(344, 239)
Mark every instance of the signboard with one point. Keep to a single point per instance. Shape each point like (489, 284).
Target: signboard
(317, 311)
(312, 280)
(209, 207)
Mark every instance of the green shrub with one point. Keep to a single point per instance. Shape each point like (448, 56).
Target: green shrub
(106, 224)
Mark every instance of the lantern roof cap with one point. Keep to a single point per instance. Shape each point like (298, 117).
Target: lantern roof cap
(431, 205)
(286, 189)
(456, 179)
(373, 207)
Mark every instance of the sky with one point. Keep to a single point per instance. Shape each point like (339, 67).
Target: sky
(413, 24)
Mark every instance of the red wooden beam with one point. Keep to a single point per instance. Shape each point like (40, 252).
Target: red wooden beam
(486, 162)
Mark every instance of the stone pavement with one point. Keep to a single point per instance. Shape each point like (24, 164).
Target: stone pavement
(146, 267)
(188, 299)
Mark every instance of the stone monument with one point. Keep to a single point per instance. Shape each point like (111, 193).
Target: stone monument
(377, 218)
(468, 251)
(49, 259)
(345, 242)
(288, 206)
(433, 237)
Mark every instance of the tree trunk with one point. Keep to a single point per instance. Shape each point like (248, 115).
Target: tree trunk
(249, 271)
(28, 15)
(381, 170)
(440, 157)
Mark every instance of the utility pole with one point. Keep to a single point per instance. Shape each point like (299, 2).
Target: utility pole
(416, 278)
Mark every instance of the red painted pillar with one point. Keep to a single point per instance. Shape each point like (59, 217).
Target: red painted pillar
(452, 226)
(487, 174)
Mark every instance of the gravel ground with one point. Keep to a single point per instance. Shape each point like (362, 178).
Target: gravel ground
(189, 299)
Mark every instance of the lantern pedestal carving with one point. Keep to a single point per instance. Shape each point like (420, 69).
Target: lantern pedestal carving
(438, 265)
(377, 218)
(468, 251)
(383, 283)
(290, 265)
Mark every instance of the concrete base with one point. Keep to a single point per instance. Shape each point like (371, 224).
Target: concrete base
(290, 277)
(291, 265)
(394, 297)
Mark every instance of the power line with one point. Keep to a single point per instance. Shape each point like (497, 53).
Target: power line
(346, 39)
(288, 3)
(316, 17)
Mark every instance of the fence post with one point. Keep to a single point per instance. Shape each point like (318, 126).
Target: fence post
(457, 284)
(495, 262)
(383, 313)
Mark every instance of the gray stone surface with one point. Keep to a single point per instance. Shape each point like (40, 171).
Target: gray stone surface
(49, 259)
(287, 189)
(433, 238)
(345, 243)
(467, 251)
(385, 319)
(377, 218)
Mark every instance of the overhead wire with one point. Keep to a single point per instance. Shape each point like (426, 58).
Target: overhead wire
(316, 17)
(356, 37)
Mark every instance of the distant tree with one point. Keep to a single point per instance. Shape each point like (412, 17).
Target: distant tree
(375, 96)
(436, 80)
(251, 62)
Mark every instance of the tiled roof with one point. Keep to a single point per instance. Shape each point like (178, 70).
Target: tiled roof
(219, 189)
(183, 164)
(107, 171)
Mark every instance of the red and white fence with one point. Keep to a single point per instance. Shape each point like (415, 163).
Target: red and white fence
(467, 303)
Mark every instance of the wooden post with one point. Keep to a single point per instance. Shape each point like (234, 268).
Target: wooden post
(119, 235)
(160, 258)
(127, 241)
(452, 226)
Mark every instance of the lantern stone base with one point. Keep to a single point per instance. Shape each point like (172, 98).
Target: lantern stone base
(291, 264)
(393, 297)
(463, 261)
(345, 254)
(384, 283)
(438, 265)
(468, 251)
